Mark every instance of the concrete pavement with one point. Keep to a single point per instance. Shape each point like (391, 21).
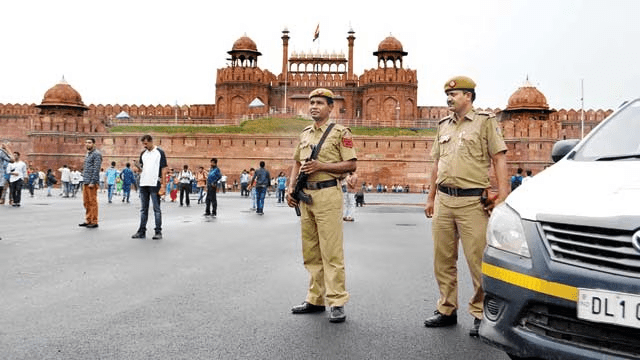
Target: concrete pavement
(216, 288)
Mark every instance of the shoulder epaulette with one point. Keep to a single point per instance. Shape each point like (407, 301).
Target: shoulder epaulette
(486, 113)
(448, 117)
(307, 128)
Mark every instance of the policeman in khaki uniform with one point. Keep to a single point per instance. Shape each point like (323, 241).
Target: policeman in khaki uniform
(466, 143)
(321, 221)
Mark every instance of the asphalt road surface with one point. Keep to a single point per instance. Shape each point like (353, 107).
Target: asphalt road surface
(216, 288)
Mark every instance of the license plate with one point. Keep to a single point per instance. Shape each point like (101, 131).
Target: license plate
(609, 307)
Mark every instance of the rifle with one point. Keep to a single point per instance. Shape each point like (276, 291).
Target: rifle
(298, 192)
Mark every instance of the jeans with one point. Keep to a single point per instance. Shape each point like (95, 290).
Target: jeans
(110, 190)
(253, 197)
(126, 192)
(66, 188)
(261, 191)
(281, 195)
(200, 194)
(185, 189)
(350, 202)
(243, 189)
(16, 191)
(49, 186)
(147, 192)
(211, 201)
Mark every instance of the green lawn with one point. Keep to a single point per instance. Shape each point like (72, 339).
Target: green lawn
(274, 126)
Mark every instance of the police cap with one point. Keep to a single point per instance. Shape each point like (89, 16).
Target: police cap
(460, 83)
(322, 92)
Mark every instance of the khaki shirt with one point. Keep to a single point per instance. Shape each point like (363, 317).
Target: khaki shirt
(463, 149)
(337, 147)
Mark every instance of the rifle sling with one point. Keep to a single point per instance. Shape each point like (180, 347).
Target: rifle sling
(324, 136)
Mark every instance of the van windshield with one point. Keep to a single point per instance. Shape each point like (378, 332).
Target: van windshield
(617, 139)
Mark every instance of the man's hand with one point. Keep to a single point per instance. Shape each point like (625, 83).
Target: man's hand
(491, 202)
(291, 201)
(428, 207)
(311, 166)
(161, 191)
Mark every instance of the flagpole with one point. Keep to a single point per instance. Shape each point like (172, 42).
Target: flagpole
(582, 109)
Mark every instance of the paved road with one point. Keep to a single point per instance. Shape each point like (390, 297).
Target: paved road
(216, 289)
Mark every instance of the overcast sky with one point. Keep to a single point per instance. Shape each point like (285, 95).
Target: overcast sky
(163, 52)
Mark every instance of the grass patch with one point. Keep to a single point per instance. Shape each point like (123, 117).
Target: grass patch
(274, 126)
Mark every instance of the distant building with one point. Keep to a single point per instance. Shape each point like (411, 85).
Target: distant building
(51, 133)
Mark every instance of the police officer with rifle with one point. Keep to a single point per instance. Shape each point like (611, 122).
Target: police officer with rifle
(318, 168)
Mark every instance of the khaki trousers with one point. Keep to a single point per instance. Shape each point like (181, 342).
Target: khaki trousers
(322, 247)
(460, 218)
(90, 200)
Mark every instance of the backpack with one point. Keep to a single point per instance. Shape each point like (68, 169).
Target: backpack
(516, 180)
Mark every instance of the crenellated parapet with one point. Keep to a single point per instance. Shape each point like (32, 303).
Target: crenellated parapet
(18, 109)
(317, 80)
(389, 75)
(153, 111)
(237, 74)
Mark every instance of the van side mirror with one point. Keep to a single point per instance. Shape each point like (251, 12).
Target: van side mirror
(562, 148)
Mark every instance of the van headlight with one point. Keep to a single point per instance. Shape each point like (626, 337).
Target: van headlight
(505, 231)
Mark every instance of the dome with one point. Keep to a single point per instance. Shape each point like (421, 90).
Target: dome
(244, 44)
(390, 44)
(527, 97)
(62, 94)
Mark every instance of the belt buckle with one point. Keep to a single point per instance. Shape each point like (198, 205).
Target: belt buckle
(454, 191)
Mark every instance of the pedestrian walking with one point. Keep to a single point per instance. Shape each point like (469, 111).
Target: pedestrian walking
(153, 165)
(111, 174)
(51, 180)
(201, 182)
(5, 160)
(282, 186)
(211, 201)
(351, 184)
(185, 178)
(262, 179)
(321, 220)
(18, 172)
(467, 142)
(91, 179)
(65, 177)
(128, 179)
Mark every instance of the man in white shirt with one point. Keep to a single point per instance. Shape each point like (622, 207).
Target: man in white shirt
(153, 166)
(65, 177)
(223, 183)
(185, 184)
(18, 171)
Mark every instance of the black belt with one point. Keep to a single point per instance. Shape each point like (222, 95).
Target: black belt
(460, 192)
(317, 185)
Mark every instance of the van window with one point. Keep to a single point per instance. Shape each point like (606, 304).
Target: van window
(618, 138)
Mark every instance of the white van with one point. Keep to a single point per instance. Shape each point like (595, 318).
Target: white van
(561, 271)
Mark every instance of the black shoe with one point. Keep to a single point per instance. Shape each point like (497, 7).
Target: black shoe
(337, 314)
(306, 308)
(474, 329)
(83, 224)
(439, 319)
(157, 236)
(138, 235)
(207, 214)
(92, 226)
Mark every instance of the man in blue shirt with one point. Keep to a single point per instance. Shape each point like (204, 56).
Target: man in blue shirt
(112, 174)
(212, 179)
(263, 179)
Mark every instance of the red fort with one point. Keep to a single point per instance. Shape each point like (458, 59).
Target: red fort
(52, 133)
